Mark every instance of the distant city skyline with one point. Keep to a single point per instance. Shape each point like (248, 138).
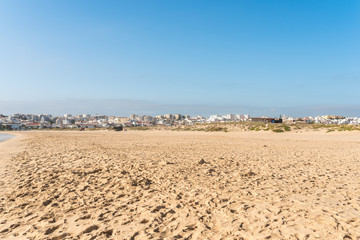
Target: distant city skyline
(259, 57)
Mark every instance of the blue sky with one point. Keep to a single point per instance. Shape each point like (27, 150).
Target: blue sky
(198, 57)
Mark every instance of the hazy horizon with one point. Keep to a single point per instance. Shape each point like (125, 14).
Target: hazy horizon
(296, 57)
(116, 107)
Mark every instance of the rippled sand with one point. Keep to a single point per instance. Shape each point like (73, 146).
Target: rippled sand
(182, 185)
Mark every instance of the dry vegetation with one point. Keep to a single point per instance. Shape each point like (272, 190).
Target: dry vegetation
(258, 126)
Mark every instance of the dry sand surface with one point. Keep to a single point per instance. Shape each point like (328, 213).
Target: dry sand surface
(8, 149)
(182, 185)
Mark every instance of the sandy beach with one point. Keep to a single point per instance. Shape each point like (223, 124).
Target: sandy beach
(9, 149)
(180, 185)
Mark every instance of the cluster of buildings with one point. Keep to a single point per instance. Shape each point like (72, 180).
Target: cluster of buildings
(68, 121)
(337, 120)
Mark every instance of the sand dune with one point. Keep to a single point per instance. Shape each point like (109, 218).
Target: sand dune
(183, 185)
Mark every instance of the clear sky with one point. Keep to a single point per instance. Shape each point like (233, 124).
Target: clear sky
(270, 57)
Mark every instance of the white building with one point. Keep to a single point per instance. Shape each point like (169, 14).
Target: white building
(230, 117)
(215, 118)
(66, 121)
(133, 116)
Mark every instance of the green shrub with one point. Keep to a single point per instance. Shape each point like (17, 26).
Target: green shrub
(216, 129)
(287, 128)
(139, 128)
(278, 130)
